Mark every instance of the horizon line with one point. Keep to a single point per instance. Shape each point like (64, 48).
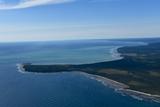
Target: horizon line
(59, 40)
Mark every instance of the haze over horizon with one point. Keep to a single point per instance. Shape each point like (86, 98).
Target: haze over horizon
(42, 20)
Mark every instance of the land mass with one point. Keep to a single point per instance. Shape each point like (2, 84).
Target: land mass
(138, 70)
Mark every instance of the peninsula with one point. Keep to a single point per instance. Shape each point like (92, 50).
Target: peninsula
(136, 74)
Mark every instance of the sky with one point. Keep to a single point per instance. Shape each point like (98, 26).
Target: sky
(42, 20)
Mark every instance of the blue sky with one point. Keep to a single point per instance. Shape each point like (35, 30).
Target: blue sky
(38, 20)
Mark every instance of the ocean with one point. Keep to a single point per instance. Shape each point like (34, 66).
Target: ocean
(59, 89)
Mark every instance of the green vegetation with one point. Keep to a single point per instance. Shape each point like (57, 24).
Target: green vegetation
(139, 68)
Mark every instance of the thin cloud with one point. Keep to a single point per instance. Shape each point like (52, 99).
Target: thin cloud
(30, 3)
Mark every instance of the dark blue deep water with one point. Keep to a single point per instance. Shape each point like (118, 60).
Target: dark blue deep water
(60, 89)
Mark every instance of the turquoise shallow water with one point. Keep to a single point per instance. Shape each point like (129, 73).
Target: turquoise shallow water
(60, 89)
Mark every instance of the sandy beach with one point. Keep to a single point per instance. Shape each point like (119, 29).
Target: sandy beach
(124, 89)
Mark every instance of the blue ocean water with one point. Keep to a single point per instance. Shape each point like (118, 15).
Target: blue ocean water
(60, 89)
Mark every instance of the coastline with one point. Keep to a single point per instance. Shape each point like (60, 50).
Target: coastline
(20, 68)
(123, 88)
(117, 86)
(115, 54)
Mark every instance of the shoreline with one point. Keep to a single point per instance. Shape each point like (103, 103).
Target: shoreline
(115, 54)
(117, 86)
(123, 88)
(20, 68)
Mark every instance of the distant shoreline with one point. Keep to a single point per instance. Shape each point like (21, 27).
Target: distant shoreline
(115, 54)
